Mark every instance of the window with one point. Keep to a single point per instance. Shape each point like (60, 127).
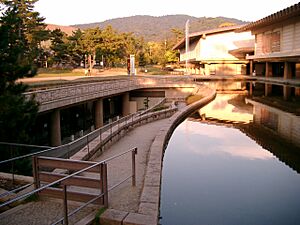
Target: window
(271, 42)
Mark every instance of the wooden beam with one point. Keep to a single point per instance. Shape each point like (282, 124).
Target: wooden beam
(72, 195)
(74, 181)
(68, 164)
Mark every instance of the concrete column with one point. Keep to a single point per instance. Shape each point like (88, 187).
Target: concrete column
(297, 89)
(251, 67)
(125, 104)
(98, 113)
(268, 89)
(286, 92)
(250, 89)
(55, 132)
(269, 72)
(287, 70)
(287, 75)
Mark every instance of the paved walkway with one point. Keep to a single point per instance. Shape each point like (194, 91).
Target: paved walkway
(125, 197)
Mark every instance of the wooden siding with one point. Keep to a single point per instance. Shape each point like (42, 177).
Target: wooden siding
(297, 37)
(258, 44)
(287, 38)
(289, 44)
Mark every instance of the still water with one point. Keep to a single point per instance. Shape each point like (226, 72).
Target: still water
(215, 174)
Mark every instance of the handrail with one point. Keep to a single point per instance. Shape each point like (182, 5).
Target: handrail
(132, 119)
(153, 107)
(15, 190)
(24, 145)
(63, 179)
(27, 155)
(91, 134)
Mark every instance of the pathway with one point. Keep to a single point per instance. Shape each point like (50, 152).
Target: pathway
(125, 197)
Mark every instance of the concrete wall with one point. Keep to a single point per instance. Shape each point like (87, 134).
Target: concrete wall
(194, 51)
(73, 94)
(217, 46)
(139, 101)
(225, 69)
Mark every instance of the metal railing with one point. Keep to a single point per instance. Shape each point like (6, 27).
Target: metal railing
(153, 107)
(104, 134)
(62, 182)
(69, 149)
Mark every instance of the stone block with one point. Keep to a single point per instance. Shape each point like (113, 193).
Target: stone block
(151, 209)
(112, 217)
(152, 179)
(139, 219)
(150, 194)
(154, 166)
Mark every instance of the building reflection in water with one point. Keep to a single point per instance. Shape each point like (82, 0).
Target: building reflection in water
(275, 130)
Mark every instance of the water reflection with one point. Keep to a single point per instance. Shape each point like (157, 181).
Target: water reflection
(215, 174)
(220, 141)
(229, 107)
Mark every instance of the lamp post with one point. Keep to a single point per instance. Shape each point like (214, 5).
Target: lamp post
(187, 42)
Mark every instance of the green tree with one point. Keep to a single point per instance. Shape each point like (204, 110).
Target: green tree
(59, 47)
(17, 54)
(91, 40)
(75, 47)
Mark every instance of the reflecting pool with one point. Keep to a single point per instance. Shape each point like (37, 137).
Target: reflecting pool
(215, 174)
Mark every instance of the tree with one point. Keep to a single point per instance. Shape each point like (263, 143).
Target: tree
(59, 47)
(18, 53)
(75, 47)
(91, 40)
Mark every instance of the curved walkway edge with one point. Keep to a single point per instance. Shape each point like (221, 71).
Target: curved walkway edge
(148, 213)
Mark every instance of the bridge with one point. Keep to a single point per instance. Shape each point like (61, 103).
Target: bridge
(102, 97)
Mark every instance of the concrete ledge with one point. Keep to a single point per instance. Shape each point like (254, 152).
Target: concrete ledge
(139, 219)
(150, 198)
(112, 217)
(152, 179)
(148, 209)
(151, 194)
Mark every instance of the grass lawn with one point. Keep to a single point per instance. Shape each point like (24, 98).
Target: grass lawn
(57, 73)
(193, 98)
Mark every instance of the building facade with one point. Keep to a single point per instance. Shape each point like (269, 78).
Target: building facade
(220, 51)
(277, 47)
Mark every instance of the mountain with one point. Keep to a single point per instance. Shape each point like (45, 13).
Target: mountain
(158, 28)
(67, 29)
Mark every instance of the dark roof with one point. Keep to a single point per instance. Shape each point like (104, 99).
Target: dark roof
(279, 16)
(197, 35)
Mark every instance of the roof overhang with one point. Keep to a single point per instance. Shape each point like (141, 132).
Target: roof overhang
(196, 36)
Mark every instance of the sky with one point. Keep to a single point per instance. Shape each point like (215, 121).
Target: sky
(69, 12)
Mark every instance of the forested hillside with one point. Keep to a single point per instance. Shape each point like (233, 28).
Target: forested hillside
(158, 28)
